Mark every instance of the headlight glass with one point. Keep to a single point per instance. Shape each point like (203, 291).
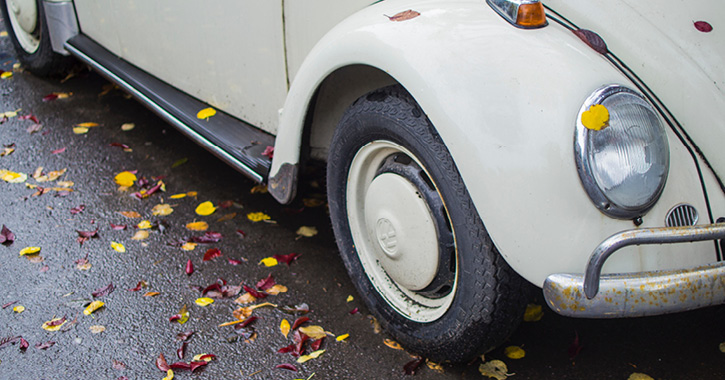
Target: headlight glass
(623, 166)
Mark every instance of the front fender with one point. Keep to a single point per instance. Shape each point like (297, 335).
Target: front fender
(504, 100)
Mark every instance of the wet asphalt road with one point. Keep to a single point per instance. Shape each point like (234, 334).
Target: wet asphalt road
(137, 328)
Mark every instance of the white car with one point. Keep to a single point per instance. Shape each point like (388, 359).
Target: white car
(472, 146)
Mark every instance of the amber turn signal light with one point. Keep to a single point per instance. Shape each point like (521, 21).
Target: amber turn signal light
(531, 15)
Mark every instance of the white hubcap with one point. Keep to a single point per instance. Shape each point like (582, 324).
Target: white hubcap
(24, 21)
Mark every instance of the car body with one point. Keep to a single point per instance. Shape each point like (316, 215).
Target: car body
(506, 100)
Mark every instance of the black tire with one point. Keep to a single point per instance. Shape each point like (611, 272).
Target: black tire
(488, 299)
(40, 60)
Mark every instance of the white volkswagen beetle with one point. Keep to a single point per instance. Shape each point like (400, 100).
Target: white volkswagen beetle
(472, 146)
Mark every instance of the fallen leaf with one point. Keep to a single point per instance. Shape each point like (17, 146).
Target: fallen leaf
(266, 282)
(198, 226)
(12, 177)
(162, 210)
(703, 26)
(6, 74)
(118, 227)
(311, 356)
(97, 329)
(181, 351)
(180, 162)
(95, 305)
(44, 346)
(125, 178)
(58, 151)
(119, 365)
(205, 208)
(495, 369)
(268, 152)
(276, 289)
(151, 294)
(354, 311)
(29, 251)
(574, 348)
(307, 231)
(349, 299)
(404, 15)
(227, 217)
(287, 259)
(118, 247)
(87, 124)
(80, 130)
(269, 262)
(593, 40)
(140, 235)
(342, 337)
(104, 291)
(127, 127)
(7, 237)
(533, 313)
(77, 210)
(161, 363)
(596, 117)
(169, 375)
(258, 216)
(178, 196)
(514, 352)
(181, 317)
(189, 267)
(234, 261)
(259, 189)
(83, 264)
(211, 254)
(7, 150)
(722, 347)
(245, 299)
(139, 285)
(19, 309)
(639, 376)
(392, 344)
(284, 327)
(206, 113)
(299, 321)
(54, 324)
(209, 237)
(204, 301)
(188, 246)
(314, 332)
(286, 366)
(144, 225)
(253, 292)
(184, 336)
(412, 366)
(130, 214)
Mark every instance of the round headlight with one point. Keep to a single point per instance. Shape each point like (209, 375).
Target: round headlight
(624, 165)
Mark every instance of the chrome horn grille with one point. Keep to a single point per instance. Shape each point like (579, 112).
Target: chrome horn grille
(682, 215)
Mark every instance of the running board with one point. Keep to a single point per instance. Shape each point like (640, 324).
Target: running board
(237, 143)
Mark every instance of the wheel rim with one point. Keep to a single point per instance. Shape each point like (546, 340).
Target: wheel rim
(23, 16)
(400, 242)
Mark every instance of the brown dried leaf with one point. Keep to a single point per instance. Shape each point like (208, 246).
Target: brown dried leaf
(404, 15)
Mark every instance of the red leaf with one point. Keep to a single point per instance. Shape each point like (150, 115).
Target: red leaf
(44, 346)
(287, 259)
(287, 367)
(23, 344)
(118, 227)
(161, 363)
(299, 339)
(207, 356)
(703, 26)
(404, 15)
(7, 237)
(124, 146)
(184, 336)
(79, 209)
(181, 352)
(194, 365)
(354, 311)
(57, 322)
(174, 317)
(9, 304)
(209, 237)
(57, 151)
(104, 291)
(593, 40)
(298, 322)
(241, 233)
(226, 204)
(248, 321)
(234, 262)
(189, 267)
(315, 345)
(412, 366)
(268, 152)
(266, 283)
(254, 293)
(180, 365)
(288, 349)
(29, 117)
(212, 253)
(575, 347)
(137, 288)
(213, 287)
(50, 97)
(87, 234)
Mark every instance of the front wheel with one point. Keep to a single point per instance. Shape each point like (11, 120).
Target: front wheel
(31, 38)
(410, 236)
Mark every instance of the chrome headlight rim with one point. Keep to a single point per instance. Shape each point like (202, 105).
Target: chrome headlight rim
(582, 135)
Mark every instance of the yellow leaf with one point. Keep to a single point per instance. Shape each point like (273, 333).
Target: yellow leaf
(307, 231)
(63, 95)
(10, 114)
(125, 178)
(259, 189)
(6, 74)
(313, 355)
(130, 214)
(392, 344)
(284, 326)
(514, 352)
(197, 226)
(596, 117)
(205, 208)
(12, 177)
(191, 193)
(314, 332)
(276, 289)
(258, 216)
(188, 246)
(4, 33)
(245, 299)
(722, 347)
(269, 261)
(151, 294)
(140, 235)
(95, 305)
(80, 130)
(87, 125)
(262, 305)
(184, 318)
(19, 309)
(169, 375)
(145, 225)
(639, 376)
(434, 366)
(128, 126)
(162, 209)
(231, 323)
(118, 247)
(83, 265)
(495, 369)
(199, 358)
(178, 196)
(97, 329)
(350, 298)
(206, 113)
(342, 337)
(47, 325)
(533, 313)
(204, 301)
(29, 251)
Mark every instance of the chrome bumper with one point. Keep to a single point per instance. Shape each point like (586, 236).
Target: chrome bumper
(594, 295)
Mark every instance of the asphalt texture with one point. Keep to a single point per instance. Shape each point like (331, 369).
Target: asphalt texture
(136, 328)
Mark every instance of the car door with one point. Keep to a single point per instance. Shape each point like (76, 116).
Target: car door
(228, 53)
